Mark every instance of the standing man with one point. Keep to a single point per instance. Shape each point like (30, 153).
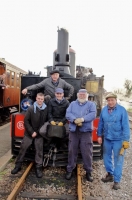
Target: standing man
(80, 114)
(50, 84)
(35, 117)
(114, 126)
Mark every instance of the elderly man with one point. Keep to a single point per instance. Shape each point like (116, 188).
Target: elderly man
(50, 84)
(35, 117)
(80, 114)
(56, 111)
(114, 126)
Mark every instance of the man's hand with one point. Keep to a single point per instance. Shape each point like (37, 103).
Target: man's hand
(80, 124)
(125, 145)
(99, 140)
(122, 151)
(60, 124)
(68, 98)
(34, 134)
(24, 91)
(53, 123)
(78, 120)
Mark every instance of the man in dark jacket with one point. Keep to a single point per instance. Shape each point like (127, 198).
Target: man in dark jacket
(35, 117)
(50, 84)
(56, 111)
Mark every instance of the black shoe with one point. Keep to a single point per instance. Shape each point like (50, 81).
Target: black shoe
(116, 186)
(15, 170)
(39, 172)
(68, 175)
(89, 177)
(108, 178)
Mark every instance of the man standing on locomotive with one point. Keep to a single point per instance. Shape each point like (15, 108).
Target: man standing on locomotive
(56, 112)
(80, 114)
(35, 117)
(114, 126)
(49, 85)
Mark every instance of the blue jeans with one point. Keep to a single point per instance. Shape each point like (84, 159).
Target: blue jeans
(112, 160)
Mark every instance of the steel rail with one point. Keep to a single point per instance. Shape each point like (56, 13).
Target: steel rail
(79, 188)
(19, 185)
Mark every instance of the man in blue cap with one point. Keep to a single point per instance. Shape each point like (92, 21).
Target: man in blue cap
(80, 114)
(56, 111)
(50, 84)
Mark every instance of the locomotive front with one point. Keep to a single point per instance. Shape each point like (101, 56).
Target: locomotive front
(64, 61)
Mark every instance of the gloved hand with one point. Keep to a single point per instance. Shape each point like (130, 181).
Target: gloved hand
(78, 120)
(125, 145)
(80, 124)
(122, 151)
(53, 123)
(60, 124)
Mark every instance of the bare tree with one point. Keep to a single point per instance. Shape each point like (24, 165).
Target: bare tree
(128, 87)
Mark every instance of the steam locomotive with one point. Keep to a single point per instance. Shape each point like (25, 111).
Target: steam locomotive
(64, 61)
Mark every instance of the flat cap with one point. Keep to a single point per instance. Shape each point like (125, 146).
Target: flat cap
(111, 95)
(54, 71)
(59, 90)
(82, 91)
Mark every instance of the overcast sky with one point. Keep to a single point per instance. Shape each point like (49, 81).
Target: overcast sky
(100, 31)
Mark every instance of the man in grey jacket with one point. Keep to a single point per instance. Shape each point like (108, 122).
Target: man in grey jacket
(50, 84)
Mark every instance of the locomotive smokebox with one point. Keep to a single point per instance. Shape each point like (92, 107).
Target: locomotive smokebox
(61, 58)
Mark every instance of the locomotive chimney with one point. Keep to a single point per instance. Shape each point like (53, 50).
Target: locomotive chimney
(62, 54)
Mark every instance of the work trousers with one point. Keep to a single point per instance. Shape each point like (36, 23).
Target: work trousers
(113, 161)
(84, 141)
(26, 142)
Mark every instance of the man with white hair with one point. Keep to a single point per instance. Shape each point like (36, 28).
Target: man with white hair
(80, 114)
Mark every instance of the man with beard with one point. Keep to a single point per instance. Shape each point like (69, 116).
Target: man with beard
(80, 114)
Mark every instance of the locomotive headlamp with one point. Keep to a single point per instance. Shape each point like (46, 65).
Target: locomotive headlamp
(25, 103)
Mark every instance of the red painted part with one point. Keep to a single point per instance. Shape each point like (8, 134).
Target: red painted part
(19, 125)
(95, 127)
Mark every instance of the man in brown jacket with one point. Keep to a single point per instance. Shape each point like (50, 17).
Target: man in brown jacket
(35, 117)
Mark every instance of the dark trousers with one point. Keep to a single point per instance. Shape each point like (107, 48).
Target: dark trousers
(26, 142)
(84, 141)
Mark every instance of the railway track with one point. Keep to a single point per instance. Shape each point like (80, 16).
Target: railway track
(53, 183)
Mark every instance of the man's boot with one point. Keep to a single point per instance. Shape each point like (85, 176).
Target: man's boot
(108, 178)
(16, 170)
(116, 186)
(89, 177)
(39, 172)
(68, 175)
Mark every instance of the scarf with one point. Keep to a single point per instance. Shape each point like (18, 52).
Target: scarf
(59, 101)
(40, 108)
